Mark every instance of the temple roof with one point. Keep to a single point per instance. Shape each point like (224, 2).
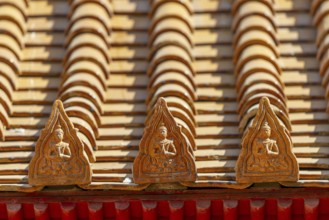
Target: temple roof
(110, 87)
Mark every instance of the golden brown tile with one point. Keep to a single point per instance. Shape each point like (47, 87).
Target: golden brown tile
(86, 66)
(171, 25)
(173, 38)
(88, 25)
(12, 13)
(254, 21)
(320, 14)
(265, 6)
(84, 79)
(256, 54)
(260, 77)
(314, 6)
(171, 52)
(9, 58)
(13, 28)
(254, 36)
(323, 47)
(87, 54)
(9, 74)
(324, 63)
(9, 28)
(325, 78)
(185, 3)
(254, 66)
(323, 30)
(261, 87)
(3, 122)
(20, 5)
(90, 68)
(87, 116)
(80, 44)
(83, 32)
(11, 44)
(6, 87)
(254, 99)
(91, 39)
(171, 65)
(173, 77)
(275, 57)
(83, 92)
(171, 55)
(174, 45)
(254, 50)
(88, 7)
(170, 9)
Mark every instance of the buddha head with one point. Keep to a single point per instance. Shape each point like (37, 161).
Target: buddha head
(163, 131)
(265, 131)
(58, 133)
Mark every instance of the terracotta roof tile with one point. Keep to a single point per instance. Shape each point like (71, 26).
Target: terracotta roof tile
(111, 68)
(256, 57)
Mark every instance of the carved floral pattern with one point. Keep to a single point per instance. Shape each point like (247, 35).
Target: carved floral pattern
(266, 154)
(165, 154)
(59, 153)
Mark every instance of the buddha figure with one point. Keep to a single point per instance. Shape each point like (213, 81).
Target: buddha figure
(162, 151)
(264, 144)
(59, 152)
(265, 152)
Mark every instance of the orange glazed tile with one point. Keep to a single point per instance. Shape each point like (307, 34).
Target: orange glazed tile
(213, 59)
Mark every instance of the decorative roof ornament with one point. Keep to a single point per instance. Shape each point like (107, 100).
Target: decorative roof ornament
(165, 154)
(59, 157)
(266, 154)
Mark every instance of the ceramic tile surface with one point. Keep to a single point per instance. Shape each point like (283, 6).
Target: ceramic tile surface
(109, 62)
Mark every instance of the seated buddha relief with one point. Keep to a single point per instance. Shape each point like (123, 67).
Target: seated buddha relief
(266, 149)
(59, 157)
(265, 152)
(165, 153)
(58, 154)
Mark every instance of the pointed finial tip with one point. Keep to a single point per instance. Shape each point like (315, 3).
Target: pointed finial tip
(265, 99)
(162, 101)
(58, 102)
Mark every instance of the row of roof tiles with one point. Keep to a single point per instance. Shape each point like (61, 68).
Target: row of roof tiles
(179, 54)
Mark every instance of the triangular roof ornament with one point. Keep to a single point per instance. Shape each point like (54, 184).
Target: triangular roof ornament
(266, 154)
(59, 157)
(165, 154)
